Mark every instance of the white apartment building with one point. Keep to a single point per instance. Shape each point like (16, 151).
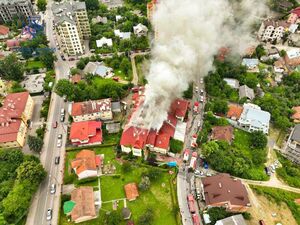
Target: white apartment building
(12, 8)
(271, 30)
(72, 25)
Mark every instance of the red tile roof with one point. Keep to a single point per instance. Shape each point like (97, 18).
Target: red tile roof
(179, 107)
(131, 191)
(134, 137)
(223, 188)
(86, 130)
(222, 133)
(85, 160)
(88, 107)
(4, 30)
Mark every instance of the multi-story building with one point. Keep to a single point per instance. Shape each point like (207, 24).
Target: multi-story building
(72, 25)
(15, 8)
(271, 30)
(16, 111)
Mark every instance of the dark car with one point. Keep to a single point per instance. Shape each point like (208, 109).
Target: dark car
(57, 159)
(62, 118)
(71, 59)
(63, 57)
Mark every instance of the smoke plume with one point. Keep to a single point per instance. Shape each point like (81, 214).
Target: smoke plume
(189, 34)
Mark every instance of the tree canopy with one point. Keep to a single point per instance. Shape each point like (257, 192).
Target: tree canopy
(11, 68)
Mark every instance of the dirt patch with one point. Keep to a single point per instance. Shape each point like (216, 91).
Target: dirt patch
(269, 211)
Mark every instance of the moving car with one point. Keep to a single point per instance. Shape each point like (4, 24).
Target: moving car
(57, 159)
(52, 188)
(49, 214)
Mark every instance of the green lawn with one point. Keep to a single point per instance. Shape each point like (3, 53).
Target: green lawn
(122, 75)
(34, 65)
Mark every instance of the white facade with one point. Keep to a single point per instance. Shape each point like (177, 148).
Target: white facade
(94, 116)
(271, 30)
(87, 174)
(12, 8)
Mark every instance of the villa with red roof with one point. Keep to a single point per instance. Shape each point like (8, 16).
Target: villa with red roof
(16, 110)
(136, 139)
(86, 133)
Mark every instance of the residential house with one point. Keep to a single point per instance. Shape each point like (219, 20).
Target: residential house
(234, 111)
(140, 30)
(222, 53)
(99, 69)
(279, 66)
(292, 19)
(246, 92)
(15, 8)
(126, 213)
(14, 44)
(76, 78)
(232, 220)
(15, 113)
(86, 133)
(254, 119)
(222, 190)
(222, 133)
(72, 25)
(122, 35)
(86, 164)
(271, 30)
(233, 83)
(4, 32)
(251, 64)
(131, 191)
(292, 147)
(99, 19)
(292, 57)
(296, 115)
(104, 42)
(81, 207)
(92, 110)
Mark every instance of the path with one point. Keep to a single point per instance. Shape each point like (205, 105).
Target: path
(135, 78)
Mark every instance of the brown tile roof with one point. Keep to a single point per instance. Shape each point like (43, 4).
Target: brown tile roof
(89, 107)
(296, 115)
(234, 111)
(222, 133)
(223, 188)
(84, 203)
(131, 191)
(76, 78)
(85, 160)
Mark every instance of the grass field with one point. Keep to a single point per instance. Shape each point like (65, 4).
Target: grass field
(34, 65)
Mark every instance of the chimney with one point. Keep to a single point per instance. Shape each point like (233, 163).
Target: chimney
(220, 185)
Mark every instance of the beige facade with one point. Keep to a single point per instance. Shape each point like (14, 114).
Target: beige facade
(27, 114)
(107, 115)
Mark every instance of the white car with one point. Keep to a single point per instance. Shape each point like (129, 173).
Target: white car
(49, 214)
(201, 81)
(59, 143)
(52, 188)
(59, 136)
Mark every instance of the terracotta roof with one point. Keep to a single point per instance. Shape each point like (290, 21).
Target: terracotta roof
(296, 11)
(76, 78)
(234, 111)
(131, 191)
(134, 137)
(296, 115)
(179, 107)
(85, 160)
(13, 43)
(223, 188)
(222, 53)
(4, 30)
(9, 131)
(89, 107)
(84, 203)
(86, 130)
(222, 133)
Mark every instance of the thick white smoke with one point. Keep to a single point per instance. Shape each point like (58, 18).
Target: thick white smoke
(189, 35)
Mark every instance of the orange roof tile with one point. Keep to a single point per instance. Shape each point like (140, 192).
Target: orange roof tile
(234, 111)
(85, 160)
(222, 133)
(131, 191)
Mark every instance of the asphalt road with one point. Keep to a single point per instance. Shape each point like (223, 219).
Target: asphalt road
(43, 199)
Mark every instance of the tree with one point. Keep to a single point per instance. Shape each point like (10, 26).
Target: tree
(125, 65)
(65, 87)
(145, 183)
(189, 92)
(41, 4)
(146, 218)
(35, 143)
(126, 167)
(209, 148)
(31, 171)
(47, 57)
(16, 87)
(176, 146)
(92, 4)
(258, 139)
(11, 68)
(220, 106)
(153, 174)
(260, 51)
(250, 80)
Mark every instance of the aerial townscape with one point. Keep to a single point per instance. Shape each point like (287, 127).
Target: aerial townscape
(150, 112)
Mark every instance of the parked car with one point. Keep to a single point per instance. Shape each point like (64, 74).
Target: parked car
(54, 124)
(63, 57)
(49, 214)
(57, 159)
(59, 143)
(71, 59)
(52, 188)
(201, 80)
(62, 118)
(59, 136)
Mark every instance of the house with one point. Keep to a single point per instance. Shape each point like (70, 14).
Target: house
(233, 83)
(292, 148)
(122, 35)
(250, 63)
(15, 113)
(254, 119)
(232, 220)
(279, 66)
(234, 111)
(13, 44)
(113, 127)
(92, 110)
(98, 68)
(222, 133)
(126, 213)
(179, 107)
(246, 92)
(81, 207)
(86, 133)
(271, 30)
(292, 57)
(104, 42)
(76, 78)
(296, 115)
(140, 30)
(99, 19)
(4, 32)
(86, 164)
(222, 190)
(131, 191)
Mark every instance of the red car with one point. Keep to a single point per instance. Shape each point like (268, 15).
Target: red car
(71, 59)
(116, 79)
(54, 124)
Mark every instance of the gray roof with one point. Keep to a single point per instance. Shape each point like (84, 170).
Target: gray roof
(97, 68)
(245, 91)
(233, 220)
(65, 11)
(116, 106)
(296, 133)
(255, 115)
(234, 83)
(250, 62)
